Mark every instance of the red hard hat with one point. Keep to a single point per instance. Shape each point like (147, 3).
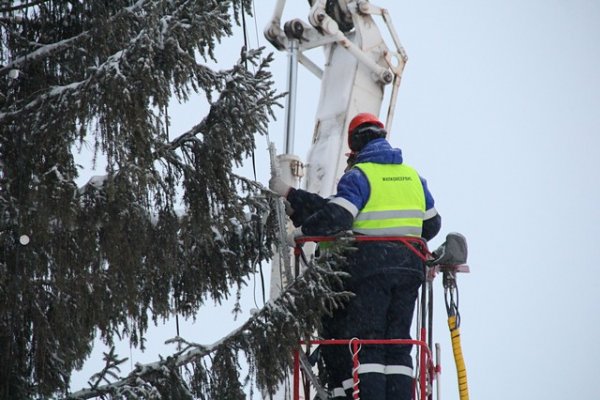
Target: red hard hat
(363, 118)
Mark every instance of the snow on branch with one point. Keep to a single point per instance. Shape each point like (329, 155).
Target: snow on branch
(266, 339)
(52, 48)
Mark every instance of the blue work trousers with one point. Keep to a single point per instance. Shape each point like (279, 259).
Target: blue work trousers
(382, 308)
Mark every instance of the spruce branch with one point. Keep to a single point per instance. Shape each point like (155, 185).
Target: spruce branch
(50, 49)
(293, 316)
(111, 368)
(23, 6)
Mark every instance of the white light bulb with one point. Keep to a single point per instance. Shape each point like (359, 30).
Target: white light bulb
(13, 73)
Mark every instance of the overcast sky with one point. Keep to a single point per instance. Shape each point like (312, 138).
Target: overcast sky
(499, 109)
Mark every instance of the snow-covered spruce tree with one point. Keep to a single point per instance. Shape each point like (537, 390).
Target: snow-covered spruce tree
(75, 262)
(265, 341)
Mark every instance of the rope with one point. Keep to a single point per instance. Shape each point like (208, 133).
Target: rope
(255, 24)
(244, 50)
(450, 289)
(262, 277)
(354, 348)
(451, 295)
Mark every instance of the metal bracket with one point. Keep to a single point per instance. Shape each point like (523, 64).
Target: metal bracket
(297, 168)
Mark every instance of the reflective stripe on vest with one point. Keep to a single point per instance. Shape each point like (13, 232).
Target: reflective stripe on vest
(396, 205)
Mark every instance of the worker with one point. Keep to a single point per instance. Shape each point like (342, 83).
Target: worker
(378, 196)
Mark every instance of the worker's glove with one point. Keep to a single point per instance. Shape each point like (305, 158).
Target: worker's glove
(277, 185)
(293, 235)
(288, 208)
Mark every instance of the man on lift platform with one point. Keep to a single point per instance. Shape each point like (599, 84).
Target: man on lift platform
(378, 196)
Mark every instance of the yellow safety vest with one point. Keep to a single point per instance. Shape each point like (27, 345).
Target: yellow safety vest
(396, 206)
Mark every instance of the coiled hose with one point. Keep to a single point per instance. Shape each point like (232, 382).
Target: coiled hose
(461, 369)
(451, 298)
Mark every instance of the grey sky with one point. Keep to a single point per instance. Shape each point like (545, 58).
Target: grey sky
(498, 109)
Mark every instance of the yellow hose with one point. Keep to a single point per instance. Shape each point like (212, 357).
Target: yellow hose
(461, 370)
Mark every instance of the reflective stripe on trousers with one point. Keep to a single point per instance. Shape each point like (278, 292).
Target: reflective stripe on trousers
(340, 392)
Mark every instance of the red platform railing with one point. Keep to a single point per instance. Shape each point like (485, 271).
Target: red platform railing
(426, 372)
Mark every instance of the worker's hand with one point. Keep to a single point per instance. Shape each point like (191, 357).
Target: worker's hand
(277, 185)
(288, 208)
(293, 235)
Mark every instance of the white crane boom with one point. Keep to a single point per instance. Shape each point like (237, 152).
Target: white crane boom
(358, 66)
